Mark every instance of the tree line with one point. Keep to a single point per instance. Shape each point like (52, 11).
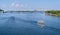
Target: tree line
(57, 12)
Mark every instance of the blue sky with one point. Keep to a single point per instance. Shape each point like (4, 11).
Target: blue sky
(30, 4)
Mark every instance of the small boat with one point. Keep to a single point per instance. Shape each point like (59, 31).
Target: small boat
(41, 23)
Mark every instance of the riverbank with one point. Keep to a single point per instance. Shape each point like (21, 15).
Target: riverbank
(53, 12)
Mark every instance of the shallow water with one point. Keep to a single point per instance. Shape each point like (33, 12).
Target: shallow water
(25, 23)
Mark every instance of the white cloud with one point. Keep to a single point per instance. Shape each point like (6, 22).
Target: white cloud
(12, 4)
(21, 5)
(17, 5)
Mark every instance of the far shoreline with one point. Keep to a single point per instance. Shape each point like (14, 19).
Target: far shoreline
(53, 13)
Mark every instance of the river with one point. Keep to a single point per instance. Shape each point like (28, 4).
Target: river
(25, 23)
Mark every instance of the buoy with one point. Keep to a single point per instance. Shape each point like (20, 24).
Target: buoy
(41, 23)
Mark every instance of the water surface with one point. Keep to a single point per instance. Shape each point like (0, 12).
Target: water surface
(25, 23)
